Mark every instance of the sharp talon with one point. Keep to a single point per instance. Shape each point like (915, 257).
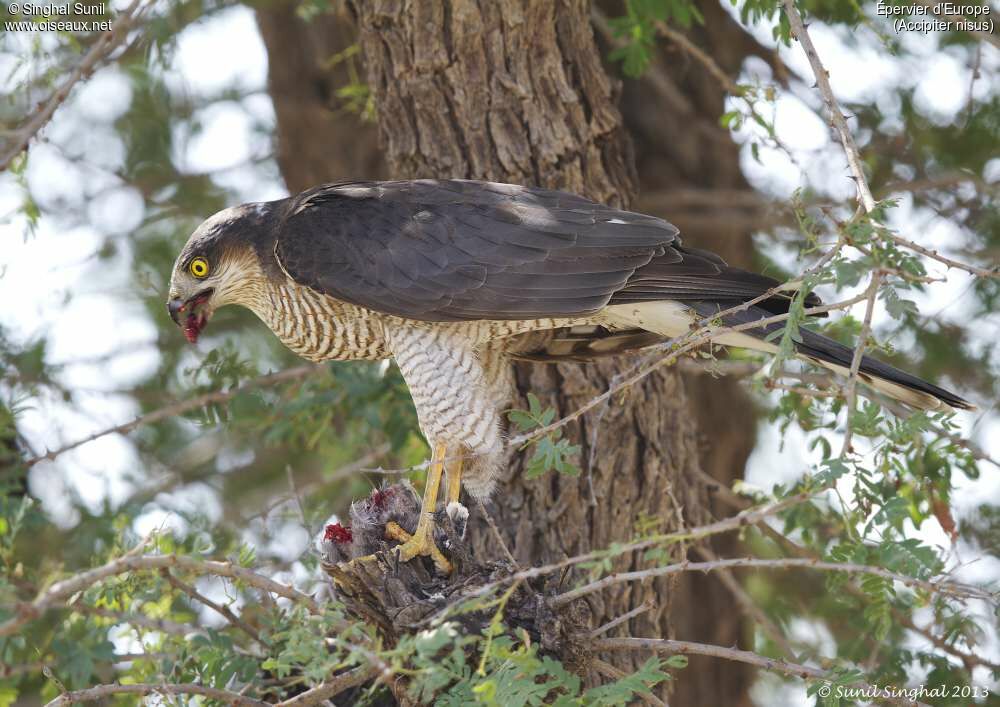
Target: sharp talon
(420, 543)
(459, 515)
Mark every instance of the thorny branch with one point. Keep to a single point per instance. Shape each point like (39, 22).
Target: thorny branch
(223, 611)
(101, 692)
(182, 406)
(850, 389)
(57, 594)
(747, 604)
(837, 118)
(748, 517)
(664, 645)
(963, 591)
(619, 620)
(993, 272)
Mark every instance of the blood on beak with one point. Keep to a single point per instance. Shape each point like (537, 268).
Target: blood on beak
(196, 318)
(175, 307)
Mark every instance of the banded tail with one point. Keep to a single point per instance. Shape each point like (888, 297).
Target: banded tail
(674, 318)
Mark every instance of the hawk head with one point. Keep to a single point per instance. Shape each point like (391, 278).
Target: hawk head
(219, 265)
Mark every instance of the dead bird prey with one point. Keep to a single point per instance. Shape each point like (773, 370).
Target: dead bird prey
(450, 278)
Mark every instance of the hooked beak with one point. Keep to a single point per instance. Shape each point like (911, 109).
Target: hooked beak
(197, 316)
(175, 307)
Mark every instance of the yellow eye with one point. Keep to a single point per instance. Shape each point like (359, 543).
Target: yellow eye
(199, 267)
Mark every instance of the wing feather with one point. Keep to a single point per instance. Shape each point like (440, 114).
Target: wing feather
(454, 249)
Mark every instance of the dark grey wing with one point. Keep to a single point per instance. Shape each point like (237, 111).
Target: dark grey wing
(453, 250)
(701, 276)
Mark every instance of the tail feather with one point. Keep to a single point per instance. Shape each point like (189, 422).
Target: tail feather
(833, 355)
(665, 318)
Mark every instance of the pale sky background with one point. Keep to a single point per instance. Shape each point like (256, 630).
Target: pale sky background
(106, 340)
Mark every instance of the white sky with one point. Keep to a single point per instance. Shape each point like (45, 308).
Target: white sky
(38, 273)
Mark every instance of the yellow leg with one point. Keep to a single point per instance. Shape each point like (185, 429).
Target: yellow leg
(422, 540)
(454, 478)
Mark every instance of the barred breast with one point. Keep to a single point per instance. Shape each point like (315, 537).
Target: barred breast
(320, 328)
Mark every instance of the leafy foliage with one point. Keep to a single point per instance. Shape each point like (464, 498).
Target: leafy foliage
(213, 479)
(550, 451)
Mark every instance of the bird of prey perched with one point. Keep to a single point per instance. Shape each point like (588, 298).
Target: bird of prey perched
(450, 278)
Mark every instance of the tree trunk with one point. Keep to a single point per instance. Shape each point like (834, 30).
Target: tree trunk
(515, 90)
(672, 115)
(319, 139)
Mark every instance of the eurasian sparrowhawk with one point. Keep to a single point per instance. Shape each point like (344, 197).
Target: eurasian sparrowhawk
(450, 278)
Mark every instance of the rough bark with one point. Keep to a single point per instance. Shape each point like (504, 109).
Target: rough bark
(673, 118)
(514, 90)
(318, 138)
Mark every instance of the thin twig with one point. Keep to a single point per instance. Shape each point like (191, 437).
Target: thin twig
(332, 687)
(103, 48)
(57, 594)
(850, 389)
(298, 499)
(665, 645)
(800, 32)
(993, 272)
(819, 379)
(182, 406)
(608, 670)
(899, 616)
(162, 625)
(101, 692)
(723, 78)
(496, 533)
(618, 620)
(224, 611)
(750, 516)
(968, 660)
(749, 606)
(963, 591)
(802, 390)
